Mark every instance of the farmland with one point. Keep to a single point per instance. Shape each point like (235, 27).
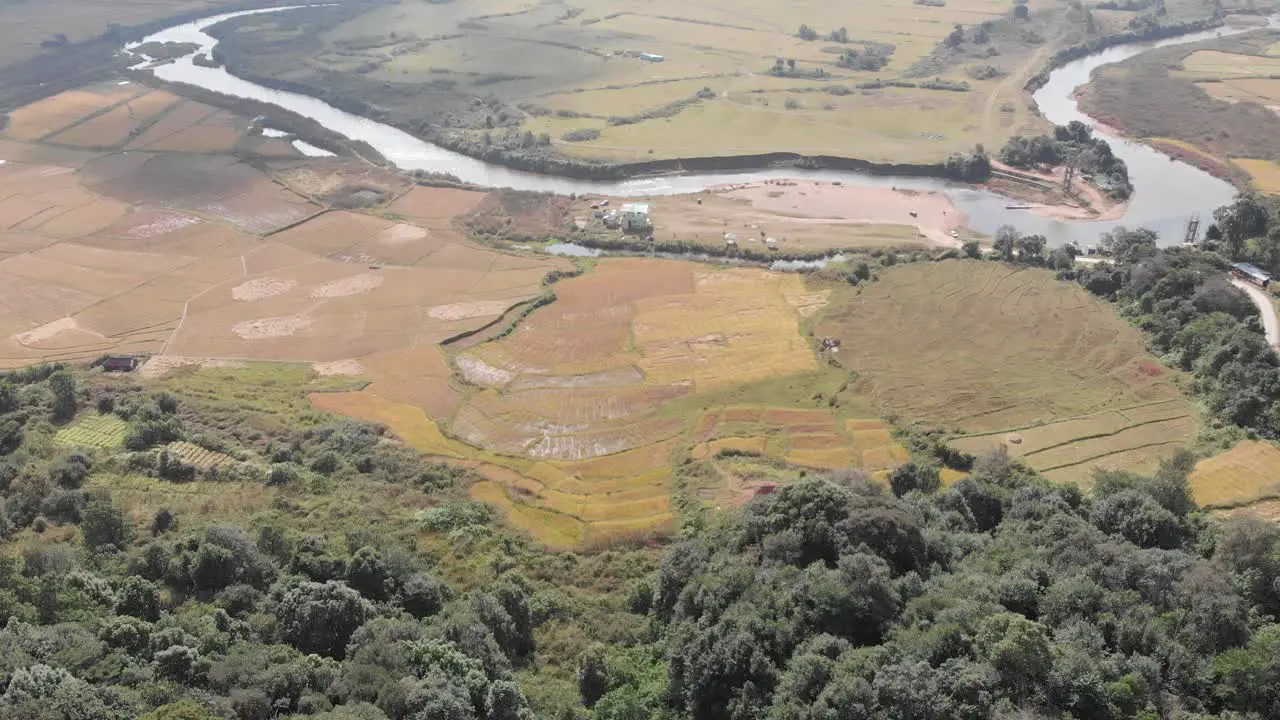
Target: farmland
(93, 431)
(994, 351)
(893, 86)
(1240, 477)
(1212, 104)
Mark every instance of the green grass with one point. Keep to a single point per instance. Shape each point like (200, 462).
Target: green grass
(103, 432)
(270, 395)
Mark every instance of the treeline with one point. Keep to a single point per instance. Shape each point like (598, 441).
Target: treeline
(1072, 144)
(1001, 596)
(1196, 321)
(213, 621)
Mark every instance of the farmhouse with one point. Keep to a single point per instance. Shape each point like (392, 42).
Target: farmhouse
(1251, 273)
(634, 217)
(120, 363)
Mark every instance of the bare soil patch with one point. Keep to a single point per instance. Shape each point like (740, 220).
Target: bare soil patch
(264, 328)
(355, 285)
(261, 288)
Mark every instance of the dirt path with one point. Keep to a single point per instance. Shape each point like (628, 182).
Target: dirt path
(1268, 310)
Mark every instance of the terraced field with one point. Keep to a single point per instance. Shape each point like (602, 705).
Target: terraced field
(1134, 438)
(994, 351)
(94, 431)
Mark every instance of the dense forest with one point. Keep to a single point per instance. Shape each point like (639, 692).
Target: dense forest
(999, 596)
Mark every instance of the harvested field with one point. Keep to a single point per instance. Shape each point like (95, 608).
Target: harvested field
(1264, 173)
(990, 347)
(50, 115)
(1243, 475)
(1000, 351)
(800, 436)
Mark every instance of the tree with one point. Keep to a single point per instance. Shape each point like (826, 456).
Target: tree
(1031, 248)
(367, 574)
(1020, 11)
(971, 249)
(807, 33)
(422, 596)
(791, 64)
(63, 385)
(103, 524)
(1007, 238)
(1129, 246)
(47, 693)
(320, 617)
(911, 476)
(593, 675)
(1018, 649)
(1243, 219)
(139, 598)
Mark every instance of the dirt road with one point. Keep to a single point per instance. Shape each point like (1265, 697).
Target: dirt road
(1269, 321)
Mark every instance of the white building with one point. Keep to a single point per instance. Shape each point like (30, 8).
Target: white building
(635, 217)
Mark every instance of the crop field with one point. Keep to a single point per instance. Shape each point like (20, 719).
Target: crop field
(996, 352)
(812, 438)
(1244, 475)
(1134, 438)
(983, 346)
(716, 89)
(576, 417)
(201, 458)
(93, 431)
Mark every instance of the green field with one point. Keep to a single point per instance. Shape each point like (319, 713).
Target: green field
(94, 431)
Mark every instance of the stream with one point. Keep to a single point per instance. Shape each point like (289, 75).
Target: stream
(1167, 192)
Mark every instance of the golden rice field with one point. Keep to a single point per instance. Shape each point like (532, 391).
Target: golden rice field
(1134, 438)
(1244, 475)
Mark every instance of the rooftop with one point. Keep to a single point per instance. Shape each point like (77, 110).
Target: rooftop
(640, 208)
(1250, 269)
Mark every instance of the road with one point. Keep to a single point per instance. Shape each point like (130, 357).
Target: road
(1269, 321)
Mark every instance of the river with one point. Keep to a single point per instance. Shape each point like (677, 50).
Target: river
(1166, 192)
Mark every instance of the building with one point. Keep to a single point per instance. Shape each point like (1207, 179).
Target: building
(1251, 273)
(651, 57)
(634, 217)
(120, 363)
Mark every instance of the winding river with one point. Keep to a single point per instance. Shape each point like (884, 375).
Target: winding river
(1167, 192)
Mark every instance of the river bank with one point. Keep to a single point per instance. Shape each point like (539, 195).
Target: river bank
(1168, 192)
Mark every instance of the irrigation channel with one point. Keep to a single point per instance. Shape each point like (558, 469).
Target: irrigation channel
(1166, 191)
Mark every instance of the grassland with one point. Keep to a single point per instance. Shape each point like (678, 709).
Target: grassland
(1212, 104)
(994, 351)
(555, 69)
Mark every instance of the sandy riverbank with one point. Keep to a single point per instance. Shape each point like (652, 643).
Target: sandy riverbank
(805, 216)
(1086, 203)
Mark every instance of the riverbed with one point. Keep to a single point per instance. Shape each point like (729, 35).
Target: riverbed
(1167, 192)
